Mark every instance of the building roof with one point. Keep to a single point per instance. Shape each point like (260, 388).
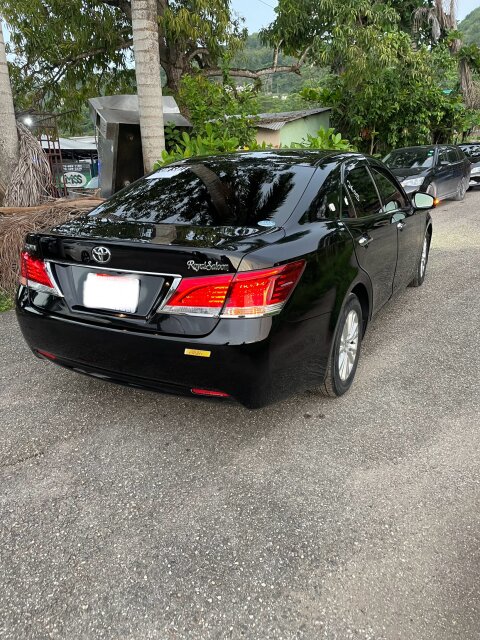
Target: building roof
(123, 109)
(78, 143)
(275, 121)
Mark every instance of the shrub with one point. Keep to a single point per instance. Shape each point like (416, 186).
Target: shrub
(325, 139)
(229, 109)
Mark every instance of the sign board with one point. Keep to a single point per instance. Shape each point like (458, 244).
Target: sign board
(75, 175)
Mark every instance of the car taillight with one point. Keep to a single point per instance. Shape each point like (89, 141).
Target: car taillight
(246, 294)
(260, 293)
(203, 296)
(34, 273)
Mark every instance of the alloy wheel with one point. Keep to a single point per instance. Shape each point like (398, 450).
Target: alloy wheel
(424, 258)
(348, 345)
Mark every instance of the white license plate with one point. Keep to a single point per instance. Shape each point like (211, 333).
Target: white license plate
(113, 293)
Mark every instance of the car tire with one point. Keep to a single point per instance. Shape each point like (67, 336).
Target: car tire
(347, 342)
(422, 262)
(461, 189)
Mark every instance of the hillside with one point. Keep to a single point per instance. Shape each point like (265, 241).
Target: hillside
(255, 56)
(470, 27)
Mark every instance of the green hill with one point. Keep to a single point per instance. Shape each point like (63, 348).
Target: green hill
(255, 56)
(470, 27)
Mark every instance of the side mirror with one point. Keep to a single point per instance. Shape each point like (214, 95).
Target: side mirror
(423, 201)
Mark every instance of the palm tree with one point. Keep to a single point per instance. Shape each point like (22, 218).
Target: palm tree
(149, 86)
(442, 18)
(9, 138)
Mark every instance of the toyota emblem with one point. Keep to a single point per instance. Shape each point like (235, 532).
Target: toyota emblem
(101, 254)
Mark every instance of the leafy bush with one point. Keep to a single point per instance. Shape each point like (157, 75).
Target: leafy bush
(325, 139)
(211, 143)
(229, 109)
(398, 105)
(186, 146)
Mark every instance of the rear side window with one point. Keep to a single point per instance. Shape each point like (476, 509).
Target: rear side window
(327, 202)
(392, 198)
(363, 193)
(452, 155)
(248, 191)
(443, 156)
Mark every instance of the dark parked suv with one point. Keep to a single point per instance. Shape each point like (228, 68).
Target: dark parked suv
(440, 170)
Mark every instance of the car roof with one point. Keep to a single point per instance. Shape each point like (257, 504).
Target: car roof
(305, 157)
(424, 146)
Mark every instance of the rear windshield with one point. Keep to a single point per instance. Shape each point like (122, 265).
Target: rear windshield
(410, 158)
(240, 191)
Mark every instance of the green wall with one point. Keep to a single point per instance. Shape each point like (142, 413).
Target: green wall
(297, 130)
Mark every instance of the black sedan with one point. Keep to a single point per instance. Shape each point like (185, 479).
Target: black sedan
(472, 151)
(443, 171)
(247, 276)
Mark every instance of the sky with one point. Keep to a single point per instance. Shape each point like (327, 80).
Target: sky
(259, 13)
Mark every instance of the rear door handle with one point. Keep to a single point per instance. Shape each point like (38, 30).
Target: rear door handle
(365, 240)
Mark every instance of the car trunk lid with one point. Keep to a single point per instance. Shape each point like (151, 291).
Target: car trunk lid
(143, 269)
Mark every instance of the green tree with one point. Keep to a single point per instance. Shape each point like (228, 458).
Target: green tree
(401, 104)
(67, 51)
(440, 16)
(229, 108)
(334, 33)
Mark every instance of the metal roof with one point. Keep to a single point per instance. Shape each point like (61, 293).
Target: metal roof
(275, 121)
(123, 109)
(79, 143)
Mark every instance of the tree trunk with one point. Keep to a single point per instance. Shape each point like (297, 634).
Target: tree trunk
(8, 138)
(149, 86)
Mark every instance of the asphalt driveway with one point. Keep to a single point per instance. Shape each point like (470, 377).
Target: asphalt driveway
(126, 514)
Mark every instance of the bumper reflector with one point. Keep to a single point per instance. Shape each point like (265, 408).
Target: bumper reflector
(209, 392)
(46, 354)
(200, 353)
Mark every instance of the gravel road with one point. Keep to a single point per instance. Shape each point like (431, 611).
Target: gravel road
(130, 515)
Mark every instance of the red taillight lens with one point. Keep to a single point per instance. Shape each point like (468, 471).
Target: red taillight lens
(34, 272)
(258, 293)
(200, 296)
(247, 294)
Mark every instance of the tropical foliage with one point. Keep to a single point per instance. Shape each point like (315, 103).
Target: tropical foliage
(325, 139)
(57, 69)
(221, 107)
(394, 71)
(185, 146)
(182, 146)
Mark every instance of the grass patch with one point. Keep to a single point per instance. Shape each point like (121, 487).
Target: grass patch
(6, 302)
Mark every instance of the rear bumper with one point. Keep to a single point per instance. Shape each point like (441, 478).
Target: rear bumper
(287, 358)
